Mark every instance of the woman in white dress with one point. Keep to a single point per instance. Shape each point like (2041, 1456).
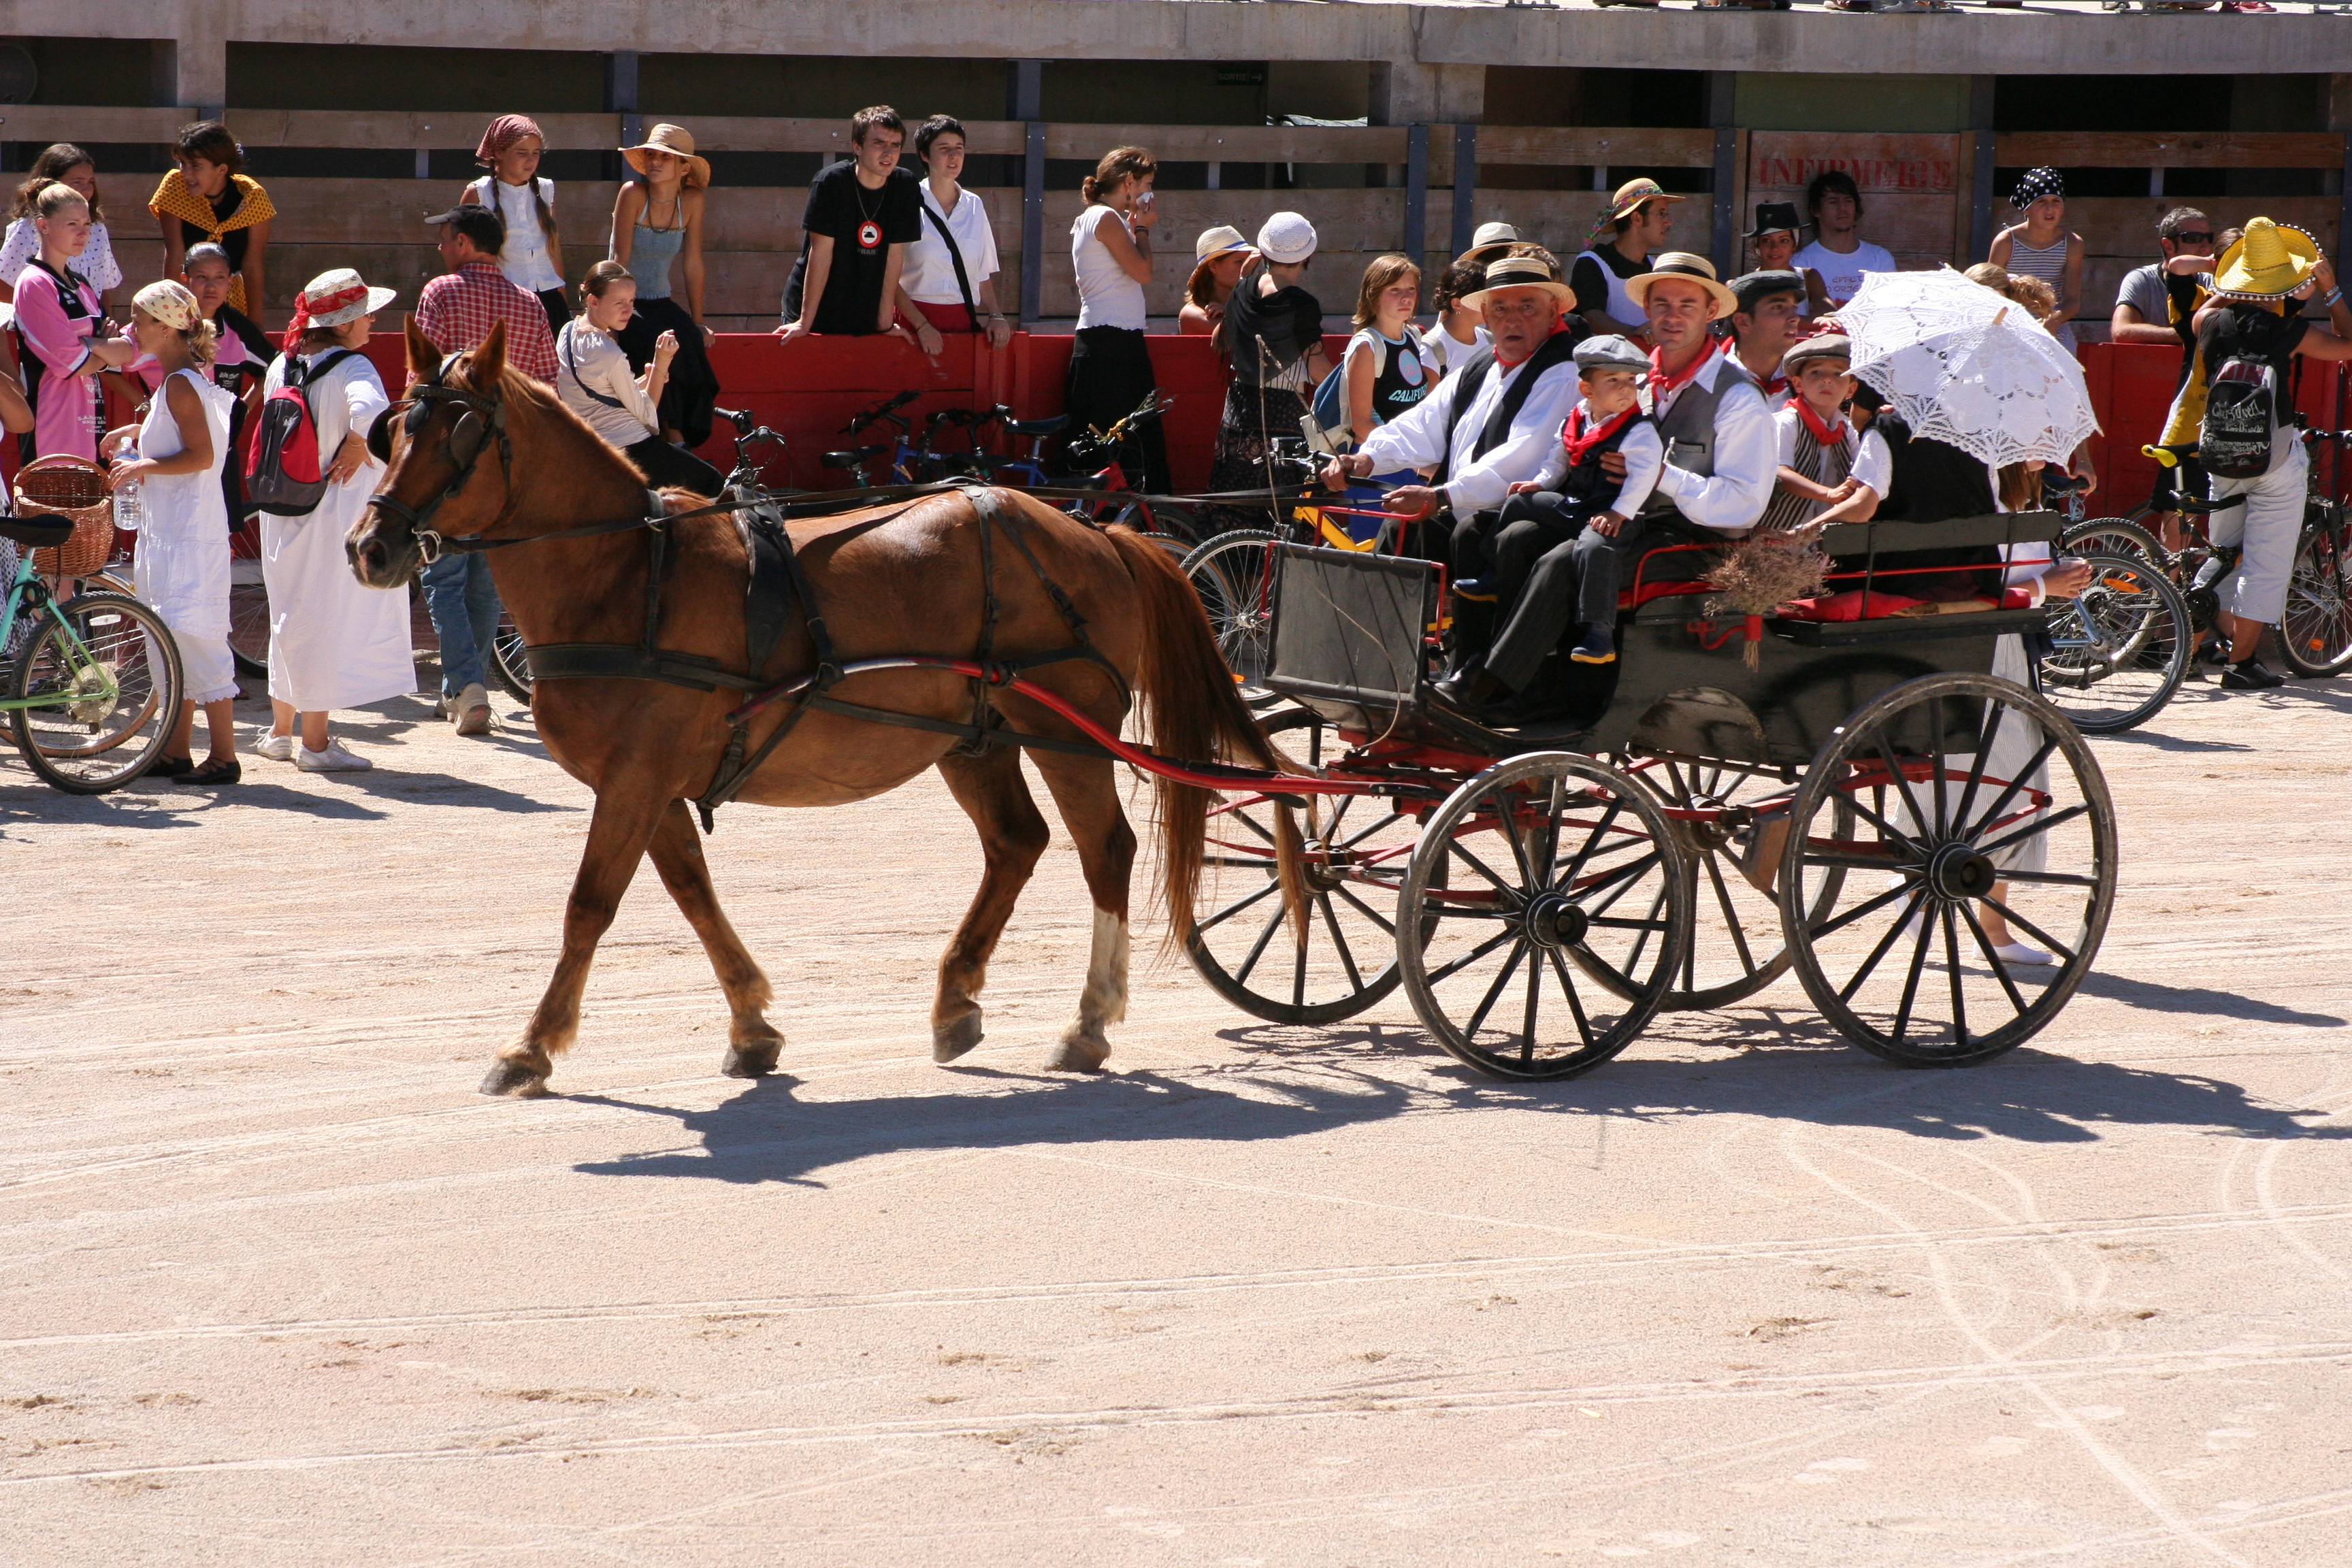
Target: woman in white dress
(332, 642)
(175, 459)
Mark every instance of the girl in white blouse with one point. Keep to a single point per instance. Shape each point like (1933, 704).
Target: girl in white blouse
(592, 379)
(532, 258)
(65, 164)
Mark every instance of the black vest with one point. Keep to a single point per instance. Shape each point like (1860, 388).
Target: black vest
(1557, 349)
(1586, 480)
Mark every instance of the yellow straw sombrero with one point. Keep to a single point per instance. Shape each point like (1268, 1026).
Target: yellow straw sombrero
(2272, 261)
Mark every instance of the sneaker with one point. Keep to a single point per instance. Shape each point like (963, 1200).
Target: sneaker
(474, 710)
(277, 748)
(2020, 952)
(1473, 588)
(2250, 677)
(334, 760)
(1598, 646)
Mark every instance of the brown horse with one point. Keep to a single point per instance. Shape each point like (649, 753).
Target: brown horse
(903, 579)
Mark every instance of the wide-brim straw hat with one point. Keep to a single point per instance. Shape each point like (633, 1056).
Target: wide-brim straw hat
(1223, 240)
(668, 138)
(1520, 272)
(344, 296)
(1490, 238)
(1689, 269)
(2270, 261)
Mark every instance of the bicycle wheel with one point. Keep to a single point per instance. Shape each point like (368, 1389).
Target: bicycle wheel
(2119, 650)
(96, 693)
(1234, 574)
(509, 667)
(2315, 634)
(2113, 536)
(248, 616)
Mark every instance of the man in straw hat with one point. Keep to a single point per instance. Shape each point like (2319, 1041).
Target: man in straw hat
(1721, 461)
(862, 213)
(1631, 228)
(1495, 419)
(2246, 335)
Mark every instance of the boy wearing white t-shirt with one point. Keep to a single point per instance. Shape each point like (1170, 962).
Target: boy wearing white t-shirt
(1840, 254)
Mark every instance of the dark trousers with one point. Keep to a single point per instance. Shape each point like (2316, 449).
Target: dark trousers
(1110, 374)
(693, 387)
(1576, 584)
(1501, 549)
(559, 314)
(668, 465)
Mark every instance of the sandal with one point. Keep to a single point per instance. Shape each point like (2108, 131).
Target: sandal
(171, 768)
(224, 772)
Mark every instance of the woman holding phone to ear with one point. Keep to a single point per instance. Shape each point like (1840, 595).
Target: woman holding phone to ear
(1110, 365)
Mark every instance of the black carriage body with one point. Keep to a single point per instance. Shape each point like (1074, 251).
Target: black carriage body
(1351, 641)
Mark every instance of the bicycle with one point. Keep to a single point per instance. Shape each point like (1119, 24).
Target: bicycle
(2315, 634)
(93, 693)
(909, 464)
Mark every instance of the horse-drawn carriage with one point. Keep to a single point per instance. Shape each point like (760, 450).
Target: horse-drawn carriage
(1859, 803)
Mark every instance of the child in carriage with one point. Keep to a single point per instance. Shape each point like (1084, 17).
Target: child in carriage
(1830, 470)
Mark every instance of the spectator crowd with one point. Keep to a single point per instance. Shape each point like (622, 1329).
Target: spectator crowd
(1543, 418)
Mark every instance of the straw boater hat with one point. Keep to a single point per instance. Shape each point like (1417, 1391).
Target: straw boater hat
(666, 138)
(1520, 272)
(2271, 261)
(1490, 238)
(1691, 268)
(333, 298)
(1223, 240)
(1630, 195)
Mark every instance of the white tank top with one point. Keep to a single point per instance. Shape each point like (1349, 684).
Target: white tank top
(1621, 306)
(524, 260)
(1108, 297)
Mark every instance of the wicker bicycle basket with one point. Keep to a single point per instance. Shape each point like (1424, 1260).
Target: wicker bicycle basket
(71, 488)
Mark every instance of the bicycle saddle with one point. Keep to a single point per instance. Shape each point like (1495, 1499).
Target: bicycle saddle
(1053, 425)
(851, 459)
(41, 529)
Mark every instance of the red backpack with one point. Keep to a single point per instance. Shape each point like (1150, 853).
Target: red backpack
(283, 476)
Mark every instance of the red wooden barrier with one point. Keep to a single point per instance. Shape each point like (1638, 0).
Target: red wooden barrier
(2131, 389)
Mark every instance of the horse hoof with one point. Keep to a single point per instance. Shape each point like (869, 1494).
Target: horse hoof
(949, 1041)
(1080, 1052)
(513, 1077)
(755, 1059)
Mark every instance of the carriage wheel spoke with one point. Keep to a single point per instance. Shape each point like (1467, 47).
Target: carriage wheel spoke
(1528, 1019)
(1862, 909)
(2058, 878)
(1368, 912)
(1494, 991)
(1481, 867)
(1859, 862)
(1258, 948)
(1730, 915)
(1626, 876)
(1551, 830)
(1237, 907)
(1870, 965)
(1902, 785)
(1241, 815)
(2041, 824)
(1449, 971)
(1506, 823)
(1952, 958)
(1657, 904)
(1871, 816)
(1911, 981)
(1347, 958)
(2030, 928)
(1600, 829)
(1992, 812)
(1575, 1003)
(1999, 969)
(1298, 975)
(1367, 833)
(1985, 733)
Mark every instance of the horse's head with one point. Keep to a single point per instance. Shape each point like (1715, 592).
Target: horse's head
(448, 461)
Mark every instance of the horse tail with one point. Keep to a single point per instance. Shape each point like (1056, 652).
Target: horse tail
(1185, 694)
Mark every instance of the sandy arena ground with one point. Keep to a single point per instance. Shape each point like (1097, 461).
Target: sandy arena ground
(277, 1287)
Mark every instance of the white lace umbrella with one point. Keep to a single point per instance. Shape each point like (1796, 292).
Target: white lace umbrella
(1963, 364)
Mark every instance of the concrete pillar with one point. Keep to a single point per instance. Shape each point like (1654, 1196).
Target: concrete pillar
(1981, 173)
(1025, 102)
(1722, 88)
(192, 71)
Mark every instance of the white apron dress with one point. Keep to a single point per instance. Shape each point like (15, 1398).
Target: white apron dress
(332, 642)
(180, 569)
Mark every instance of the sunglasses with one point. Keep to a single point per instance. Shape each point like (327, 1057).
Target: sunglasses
(2205, 237)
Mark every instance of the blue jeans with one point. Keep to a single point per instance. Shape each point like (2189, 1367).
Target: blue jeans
(465, 606)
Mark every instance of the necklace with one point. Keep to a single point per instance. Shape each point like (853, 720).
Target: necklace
(863, 210)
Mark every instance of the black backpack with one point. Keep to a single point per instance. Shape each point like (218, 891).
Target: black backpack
(2242, 403)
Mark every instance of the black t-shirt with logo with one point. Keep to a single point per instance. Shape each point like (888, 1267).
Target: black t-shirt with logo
(863, 225)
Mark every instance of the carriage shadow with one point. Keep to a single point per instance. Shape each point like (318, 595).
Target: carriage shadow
(768, 1134)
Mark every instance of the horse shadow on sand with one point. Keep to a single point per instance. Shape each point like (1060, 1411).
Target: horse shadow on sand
(769, 1133)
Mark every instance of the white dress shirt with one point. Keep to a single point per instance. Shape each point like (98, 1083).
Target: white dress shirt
(1644, 456)
(929, 274)
(1428, 432)
(1746, 454)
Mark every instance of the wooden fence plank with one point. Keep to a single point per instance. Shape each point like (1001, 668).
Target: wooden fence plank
(1631, 149)
(2199, 150)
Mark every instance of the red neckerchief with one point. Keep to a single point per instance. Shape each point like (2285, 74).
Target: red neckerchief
(1507, 365)
(1580, 440)
(1824, 433)
(1661, 385)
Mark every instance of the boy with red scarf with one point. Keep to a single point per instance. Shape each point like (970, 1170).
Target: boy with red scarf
(1826, 464)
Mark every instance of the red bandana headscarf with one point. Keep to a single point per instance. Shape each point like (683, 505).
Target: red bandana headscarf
(504, 132)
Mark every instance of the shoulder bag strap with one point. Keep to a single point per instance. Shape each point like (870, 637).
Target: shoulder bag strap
(564, 352)
(955, 254)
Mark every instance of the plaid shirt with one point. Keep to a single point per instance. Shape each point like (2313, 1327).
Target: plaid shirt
(455, 310)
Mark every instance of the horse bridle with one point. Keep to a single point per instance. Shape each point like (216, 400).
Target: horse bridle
(467, 439)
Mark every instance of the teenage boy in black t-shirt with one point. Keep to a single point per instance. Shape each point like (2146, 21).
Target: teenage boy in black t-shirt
(862, 213)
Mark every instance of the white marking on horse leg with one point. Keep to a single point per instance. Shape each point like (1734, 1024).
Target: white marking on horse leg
(1104, 1001)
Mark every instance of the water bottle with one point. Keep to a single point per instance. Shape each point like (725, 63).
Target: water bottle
(129, 509)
